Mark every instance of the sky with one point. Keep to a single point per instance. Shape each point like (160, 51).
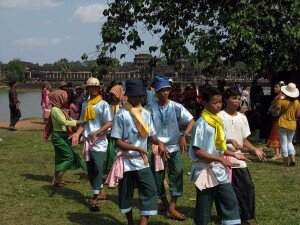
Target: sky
(44, 31)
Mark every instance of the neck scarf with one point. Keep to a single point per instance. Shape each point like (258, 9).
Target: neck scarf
(216, 122)
(136, 112)
(89, 113)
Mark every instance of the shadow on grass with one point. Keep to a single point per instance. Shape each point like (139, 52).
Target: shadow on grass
(66, 193)
(277, 163)
(93, 218)
(82, 176)
(38, 177)
(36, 122)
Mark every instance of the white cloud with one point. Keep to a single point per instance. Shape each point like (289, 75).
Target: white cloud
(90, 13)
(28, 4)
(34, 42)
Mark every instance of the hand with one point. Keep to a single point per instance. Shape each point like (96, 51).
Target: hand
(240, 156)
(260, 154)
(225, 162)
(144, 156)
(93, 138)
(74, 139)
(162, 148)
(182, 142)
(235, 144)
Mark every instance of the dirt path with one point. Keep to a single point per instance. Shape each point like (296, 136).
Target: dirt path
(26, 124)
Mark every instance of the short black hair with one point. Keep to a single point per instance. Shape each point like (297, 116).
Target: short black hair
(209, 92)
(11, 83)
(232, 91)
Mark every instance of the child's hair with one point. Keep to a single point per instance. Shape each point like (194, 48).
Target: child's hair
(209, 92)
(232, 91)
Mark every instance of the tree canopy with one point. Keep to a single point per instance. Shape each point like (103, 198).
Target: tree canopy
(265, 35)
(14, 70)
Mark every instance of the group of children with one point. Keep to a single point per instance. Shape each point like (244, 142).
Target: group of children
(219, 169)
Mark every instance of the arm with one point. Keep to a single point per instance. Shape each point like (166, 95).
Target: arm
(237, 155)
(59, 116)
(129, 147)
(204, 155)
(234, 143)
(161, 146)
(187, 130)
(100, 131)
(258, 151)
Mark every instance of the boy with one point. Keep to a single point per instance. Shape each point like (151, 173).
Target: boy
(132, 126)
(207, 150)
(237, 131)
(96, 119)
(168, 117)
(14, 105)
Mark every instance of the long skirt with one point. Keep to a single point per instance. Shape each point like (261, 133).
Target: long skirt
(65, 156)
(273, 141)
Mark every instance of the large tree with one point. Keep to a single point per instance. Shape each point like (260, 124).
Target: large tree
(14, 70)
(265, 35)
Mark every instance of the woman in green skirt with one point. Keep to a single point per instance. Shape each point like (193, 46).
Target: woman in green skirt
(65, 156)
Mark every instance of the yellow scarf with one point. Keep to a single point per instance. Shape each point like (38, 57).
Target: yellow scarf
(89, 113)
(216, 122)
(136, 112)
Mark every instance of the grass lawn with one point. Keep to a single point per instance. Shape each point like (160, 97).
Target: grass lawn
(27, 197)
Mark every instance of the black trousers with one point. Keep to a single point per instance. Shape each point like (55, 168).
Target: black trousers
(15, 115)
(245, 193)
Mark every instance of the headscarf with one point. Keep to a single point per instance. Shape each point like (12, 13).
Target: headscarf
(118, 91)
(58, 98)
(216, 122)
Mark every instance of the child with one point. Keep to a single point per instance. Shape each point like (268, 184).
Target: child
(168, 116)
(132, 126)
(97, 119)
(207, 150)
(237, 131)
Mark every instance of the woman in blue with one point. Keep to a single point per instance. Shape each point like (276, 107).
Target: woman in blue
(207, 149)
(168, 117)
(132, 127)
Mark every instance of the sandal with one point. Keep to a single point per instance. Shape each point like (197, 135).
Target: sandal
(103, 197)
(94, 205)
(162, 208)
(175, 215)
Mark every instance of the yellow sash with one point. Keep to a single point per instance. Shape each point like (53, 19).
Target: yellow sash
(216, 122)
(136, 112)
(89, 113)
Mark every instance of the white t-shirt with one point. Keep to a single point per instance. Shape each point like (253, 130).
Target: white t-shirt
(236, 128)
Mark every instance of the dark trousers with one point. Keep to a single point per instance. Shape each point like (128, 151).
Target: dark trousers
(95, 170)
(245, 192)
(15, 115)
(226, 204)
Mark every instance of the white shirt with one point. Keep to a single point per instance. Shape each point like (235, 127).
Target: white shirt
(236, 128)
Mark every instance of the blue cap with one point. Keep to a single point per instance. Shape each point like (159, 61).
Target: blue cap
(160, 82)
(134, 87)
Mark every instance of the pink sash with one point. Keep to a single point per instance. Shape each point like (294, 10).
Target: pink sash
(116, 172)
(158, 161)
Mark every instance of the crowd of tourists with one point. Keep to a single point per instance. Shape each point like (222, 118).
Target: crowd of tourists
(135, 132)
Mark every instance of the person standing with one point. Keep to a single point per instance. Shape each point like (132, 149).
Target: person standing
(237, 130)
(289, 111)
(207, 150)
(65, 156)
(45, 103)
(14, 105)
(132, 127)
(168, 116)
(273, 141)
(95, 120)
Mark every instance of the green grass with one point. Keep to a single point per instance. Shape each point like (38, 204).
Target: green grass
(27, 197)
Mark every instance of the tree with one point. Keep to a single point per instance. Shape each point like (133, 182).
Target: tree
(264, 35)
(14, 70)
(64, 67)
